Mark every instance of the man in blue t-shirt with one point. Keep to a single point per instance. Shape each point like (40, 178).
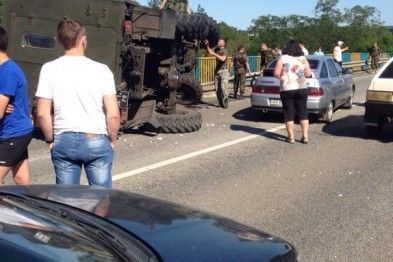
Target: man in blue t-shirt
(15, 123)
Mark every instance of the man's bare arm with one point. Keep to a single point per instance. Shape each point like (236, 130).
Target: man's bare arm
(163, 3)
(44, 117)
(4, 100)
(278, 68)
(112, 115)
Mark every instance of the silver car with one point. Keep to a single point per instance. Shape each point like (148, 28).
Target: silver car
(330, 87)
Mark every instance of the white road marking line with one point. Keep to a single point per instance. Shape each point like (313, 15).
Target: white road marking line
(193, 154)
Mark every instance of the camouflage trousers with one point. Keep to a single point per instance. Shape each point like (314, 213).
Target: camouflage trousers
(221, 80)
(239, 82)
(374, 63)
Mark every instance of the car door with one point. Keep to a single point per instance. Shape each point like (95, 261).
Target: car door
(337, 82)
(347, 82)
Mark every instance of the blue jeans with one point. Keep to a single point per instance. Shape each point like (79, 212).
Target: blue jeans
(72, 150)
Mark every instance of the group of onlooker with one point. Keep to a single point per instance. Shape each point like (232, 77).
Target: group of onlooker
(77, 112)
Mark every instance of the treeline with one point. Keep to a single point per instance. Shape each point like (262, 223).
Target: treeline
(358, 27)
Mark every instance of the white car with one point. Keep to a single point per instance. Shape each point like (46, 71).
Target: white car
(379, 100)
(330, 87)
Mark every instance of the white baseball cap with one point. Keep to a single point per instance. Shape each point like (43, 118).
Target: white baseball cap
(340, 42)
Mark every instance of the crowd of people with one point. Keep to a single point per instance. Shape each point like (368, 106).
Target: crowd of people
(77, 108)
(77, 112)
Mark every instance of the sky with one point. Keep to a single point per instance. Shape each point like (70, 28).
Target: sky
(239, 13)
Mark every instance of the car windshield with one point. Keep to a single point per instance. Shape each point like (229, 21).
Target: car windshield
(388, 72)
(30, 232)
(39, 229)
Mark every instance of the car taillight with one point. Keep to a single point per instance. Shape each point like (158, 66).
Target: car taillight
(315, 91)
(271, 89)
(256, 89)
(127, 27)
(266, 89)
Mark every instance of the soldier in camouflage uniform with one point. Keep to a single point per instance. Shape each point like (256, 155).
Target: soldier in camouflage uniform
(240, 66)
(267, 55)
(221, 77)
(177, 5)
(374, 54)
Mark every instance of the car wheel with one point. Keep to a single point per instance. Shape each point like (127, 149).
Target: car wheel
(328, 116)
(349, 104)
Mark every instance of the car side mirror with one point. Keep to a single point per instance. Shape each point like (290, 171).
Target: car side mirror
(347, 71)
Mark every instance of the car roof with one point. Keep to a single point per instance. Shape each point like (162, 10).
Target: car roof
(318, 57)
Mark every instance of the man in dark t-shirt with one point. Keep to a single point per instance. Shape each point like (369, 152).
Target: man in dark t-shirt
(221, 77)
(15, 123)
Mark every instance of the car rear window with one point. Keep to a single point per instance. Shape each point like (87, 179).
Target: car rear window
(388, 72)
(313, 64)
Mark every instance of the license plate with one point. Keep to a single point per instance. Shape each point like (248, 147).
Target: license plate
(274, 102)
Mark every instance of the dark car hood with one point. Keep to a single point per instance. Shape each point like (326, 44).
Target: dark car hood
(176, 232)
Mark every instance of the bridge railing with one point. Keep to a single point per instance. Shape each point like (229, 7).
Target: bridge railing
(206, 65)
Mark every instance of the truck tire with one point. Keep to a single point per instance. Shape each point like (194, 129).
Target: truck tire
(197, 26)
(190, 92)
(181, 122)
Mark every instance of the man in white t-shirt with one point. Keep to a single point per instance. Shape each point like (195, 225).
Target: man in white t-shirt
(337, 52)
(86, 116)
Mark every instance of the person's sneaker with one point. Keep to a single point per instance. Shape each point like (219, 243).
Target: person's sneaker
(225, 103)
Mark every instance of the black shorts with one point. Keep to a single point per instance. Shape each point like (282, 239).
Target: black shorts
(294, 102)
(13, 150)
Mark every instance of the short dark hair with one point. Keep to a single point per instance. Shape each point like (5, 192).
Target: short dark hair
(292, 48)
(222, 38)
(69, 32)
(240, 47)
(3, 40)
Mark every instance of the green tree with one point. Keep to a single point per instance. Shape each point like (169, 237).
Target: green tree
(358, 27)
(154, 4)
(328, 9)
(234, 37)
(363, 26)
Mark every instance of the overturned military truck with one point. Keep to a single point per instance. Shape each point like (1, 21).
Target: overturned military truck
(152, 53)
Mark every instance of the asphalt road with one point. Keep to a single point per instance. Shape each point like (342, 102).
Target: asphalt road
(331, 198)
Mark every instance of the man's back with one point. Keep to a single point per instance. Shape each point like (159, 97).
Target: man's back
(77, 85)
